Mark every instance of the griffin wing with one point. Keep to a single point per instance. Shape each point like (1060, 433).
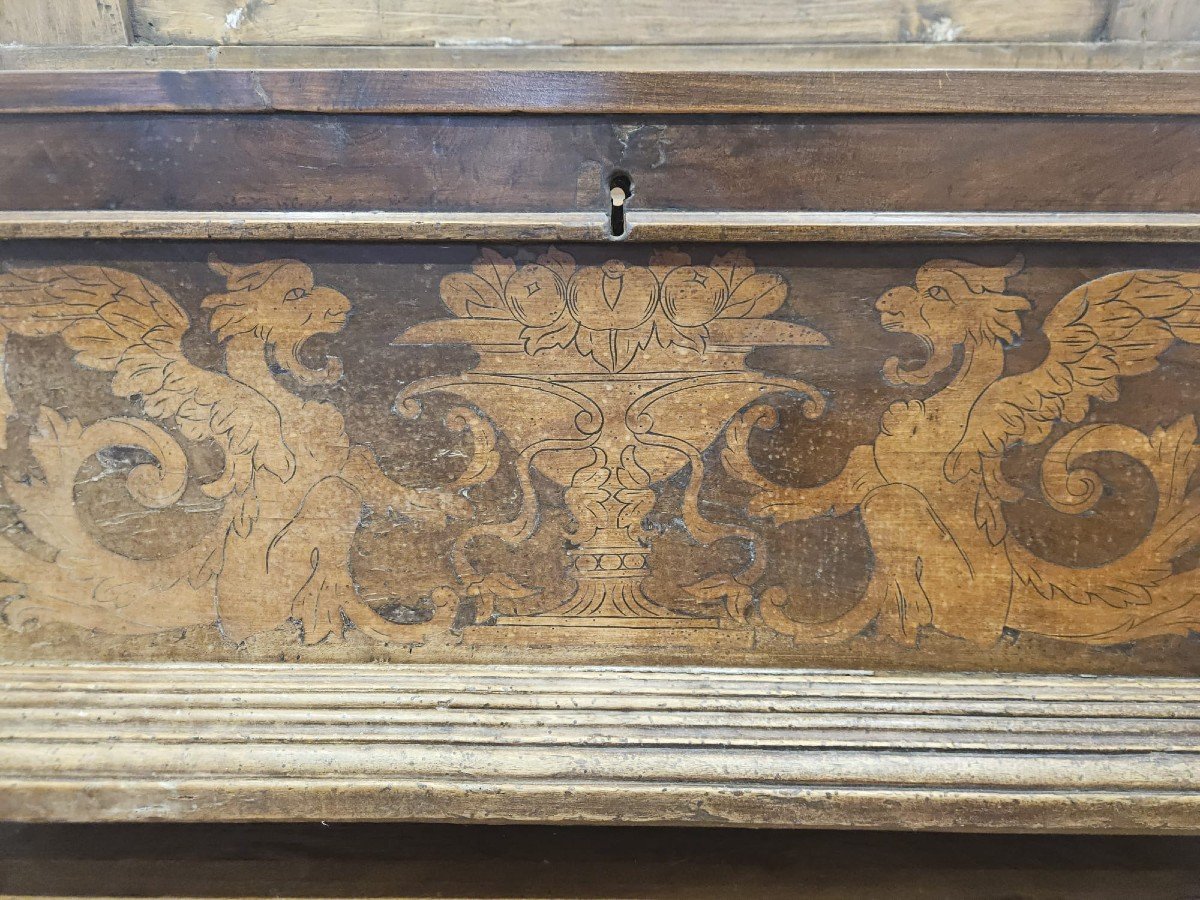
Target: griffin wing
(1109, 328)
(118, 322)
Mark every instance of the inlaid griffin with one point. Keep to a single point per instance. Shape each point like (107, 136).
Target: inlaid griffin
(931, 488)
(293, 486)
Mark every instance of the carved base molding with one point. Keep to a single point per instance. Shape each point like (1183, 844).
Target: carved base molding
(103, 742)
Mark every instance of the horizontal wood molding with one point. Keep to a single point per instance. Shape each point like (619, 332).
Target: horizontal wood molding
(603, 91)
(499, 743)
(312, 226)
(643, 225)
(939, 227)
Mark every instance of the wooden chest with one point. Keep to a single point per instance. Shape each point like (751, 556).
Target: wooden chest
(808, 448)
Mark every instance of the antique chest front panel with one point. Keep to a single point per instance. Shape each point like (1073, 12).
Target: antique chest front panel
(858, 456)
(346, 452)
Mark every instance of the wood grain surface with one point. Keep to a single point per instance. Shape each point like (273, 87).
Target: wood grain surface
(531, 164)
(1162, 55)
(606, 91)
(65, 22)
(538, 22)
(620, 22)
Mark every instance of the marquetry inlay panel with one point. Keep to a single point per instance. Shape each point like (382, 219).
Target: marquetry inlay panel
(783, 456)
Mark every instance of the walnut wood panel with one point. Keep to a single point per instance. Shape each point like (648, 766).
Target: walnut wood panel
(878, 456)
(529, 163)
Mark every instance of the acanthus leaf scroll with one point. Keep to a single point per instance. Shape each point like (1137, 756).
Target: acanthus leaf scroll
(607, 381)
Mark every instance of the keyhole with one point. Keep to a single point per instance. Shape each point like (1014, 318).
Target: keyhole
(620, 189)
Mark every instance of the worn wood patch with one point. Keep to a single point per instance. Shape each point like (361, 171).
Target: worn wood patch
(64, 22)
(981, 457)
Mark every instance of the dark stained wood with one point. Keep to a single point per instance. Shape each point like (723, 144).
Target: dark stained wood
(608, 92)
(539, 163)
(391, 860)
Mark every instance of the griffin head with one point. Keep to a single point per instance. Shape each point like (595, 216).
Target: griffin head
(951, 303)
(279, 304)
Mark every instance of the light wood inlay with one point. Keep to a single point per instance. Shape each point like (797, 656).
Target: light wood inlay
(645, 225)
